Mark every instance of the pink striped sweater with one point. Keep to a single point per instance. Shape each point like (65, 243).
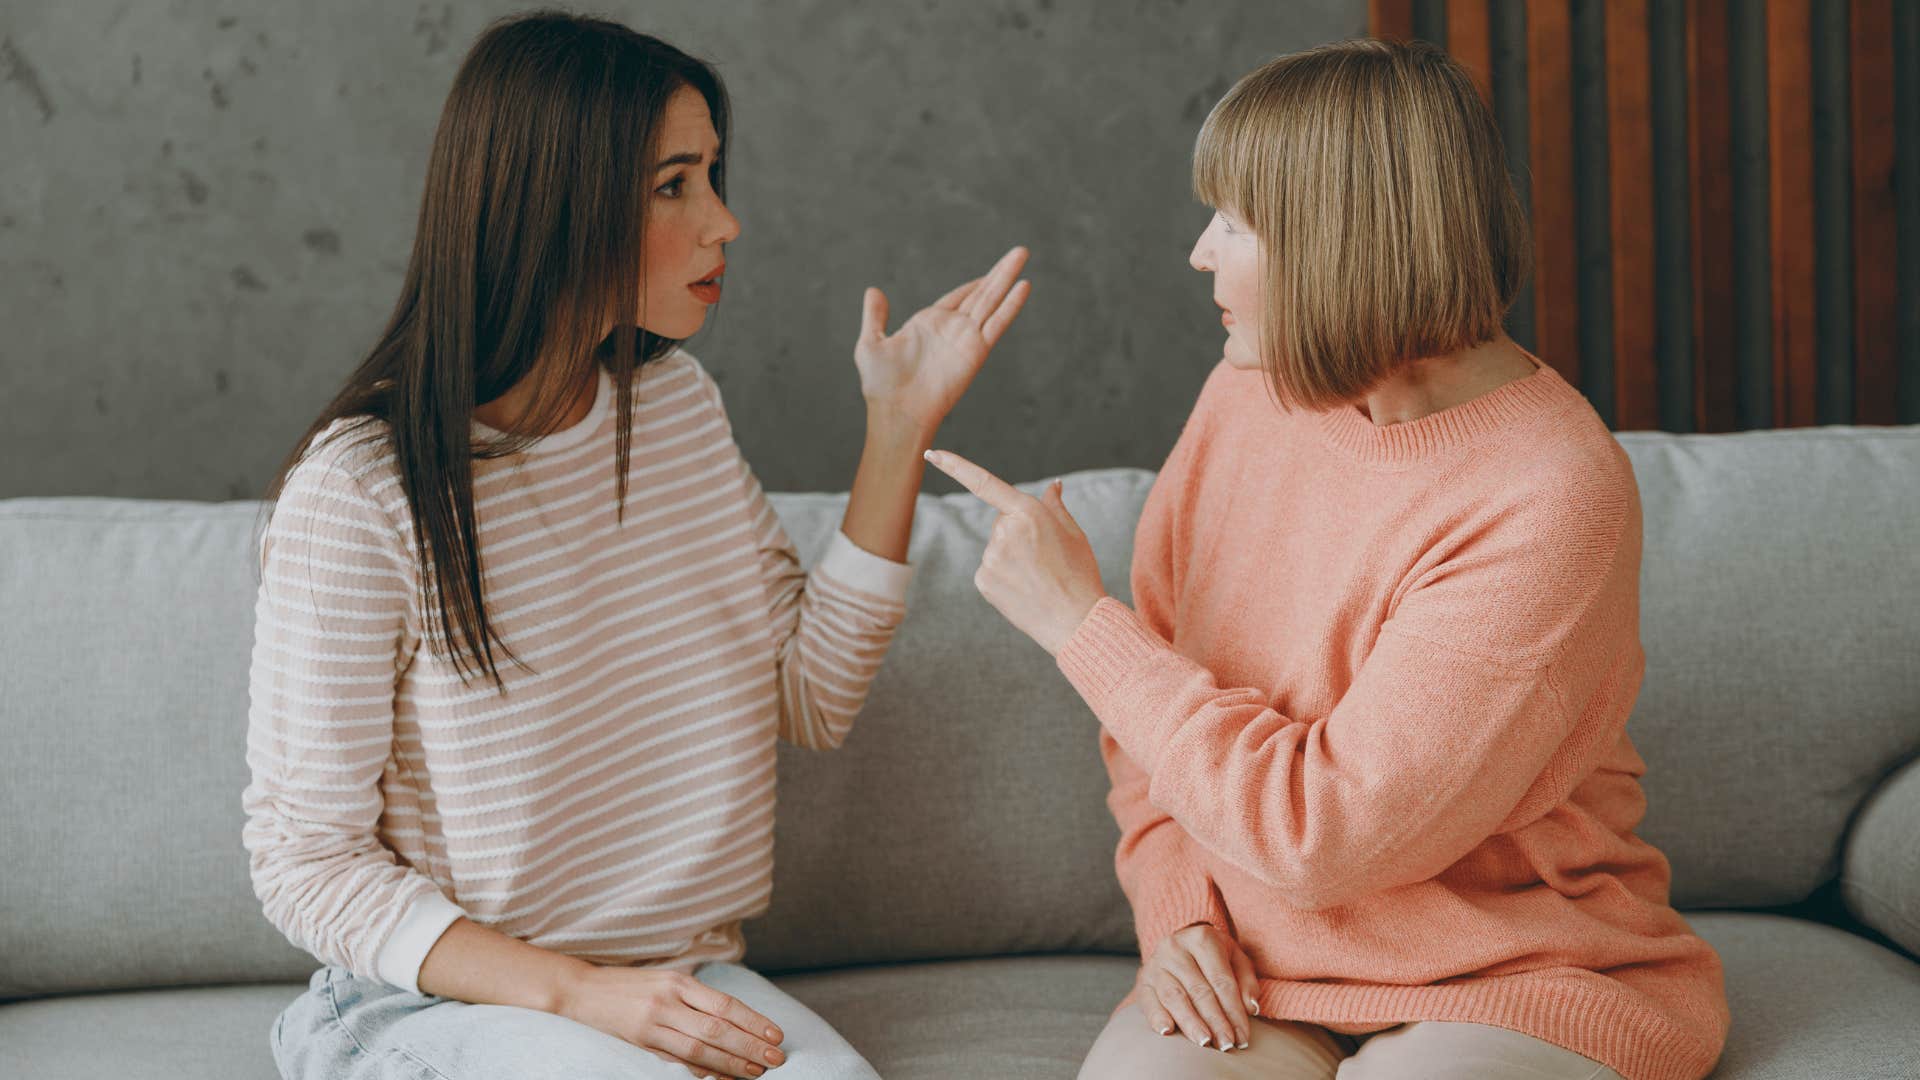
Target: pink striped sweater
(616, 802)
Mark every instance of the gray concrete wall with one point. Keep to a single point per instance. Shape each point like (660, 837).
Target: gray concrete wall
(205, 209)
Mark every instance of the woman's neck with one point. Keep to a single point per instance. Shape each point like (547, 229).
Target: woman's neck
(508, 412)
(1441, 382)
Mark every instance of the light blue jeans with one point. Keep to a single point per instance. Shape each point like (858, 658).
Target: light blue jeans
(350, 1028)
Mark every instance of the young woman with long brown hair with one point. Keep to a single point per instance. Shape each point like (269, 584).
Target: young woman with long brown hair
(528, 629)
(1366, 718)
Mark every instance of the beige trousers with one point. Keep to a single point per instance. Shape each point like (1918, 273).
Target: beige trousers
(1287, 1050)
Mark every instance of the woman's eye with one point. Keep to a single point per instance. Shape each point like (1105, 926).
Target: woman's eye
(671, 189)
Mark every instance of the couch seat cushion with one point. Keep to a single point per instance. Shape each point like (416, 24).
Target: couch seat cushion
(1808, 1001)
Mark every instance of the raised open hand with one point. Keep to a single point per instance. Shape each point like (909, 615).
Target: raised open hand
(921, 370)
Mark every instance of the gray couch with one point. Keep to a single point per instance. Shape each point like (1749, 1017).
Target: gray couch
(944, 889)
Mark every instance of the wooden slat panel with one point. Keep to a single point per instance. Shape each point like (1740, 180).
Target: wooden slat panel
(1636, 377)
(1876, 301)
(1470, 41)
(1556, 276)
(1390, 20)
(1716, 372)
(1790, 172)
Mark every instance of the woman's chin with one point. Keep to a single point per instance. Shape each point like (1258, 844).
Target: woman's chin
(1237, 358)
(678, 329)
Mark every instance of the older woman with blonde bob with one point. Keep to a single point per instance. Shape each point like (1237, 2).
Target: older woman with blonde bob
(1366, 718)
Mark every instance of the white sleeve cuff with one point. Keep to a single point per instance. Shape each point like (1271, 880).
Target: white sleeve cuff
(851, 564)
(406, 949)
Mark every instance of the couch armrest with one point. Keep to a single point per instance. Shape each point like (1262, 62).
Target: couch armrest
(1880, 868)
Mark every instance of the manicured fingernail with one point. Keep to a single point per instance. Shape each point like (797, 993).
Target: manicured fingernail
(929, 454)
(1166, 1031)
(773, 1034)
(754, 1070)
(1253, 1007)
(774, 1058)
(1241, 1045)
(1208, 1041)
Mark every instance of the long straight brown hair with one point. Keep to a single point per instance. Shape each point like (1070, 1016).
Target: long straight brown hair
(528, 248)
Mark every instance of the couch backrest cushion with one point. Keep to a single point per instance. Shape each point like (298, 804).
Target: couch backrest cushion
(1780, 610)
(965, 815)
(125, 629)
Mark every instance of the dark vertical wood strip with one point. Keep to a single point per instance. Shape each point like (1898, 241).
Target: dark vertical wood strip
(1710, 169)
(1791, 210)
(1636, 379)
(1556, 304)
(1391, 20)
(1470, 41)
(1876, 302)
(1510, 111)
(1906, 167)
(1673, 249)
(1832, 217)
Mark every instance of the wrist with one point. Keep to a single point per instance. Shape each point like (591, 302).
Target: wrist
(1070, 625)
(566, 987)
(889, 428)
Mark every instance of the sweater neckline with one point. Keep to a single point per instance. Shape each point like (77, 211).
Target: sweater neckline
(567, 437)
(1352, 432)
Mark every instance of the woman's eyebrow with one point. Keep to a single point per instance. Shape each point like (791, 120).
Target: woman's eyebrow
(684, 157)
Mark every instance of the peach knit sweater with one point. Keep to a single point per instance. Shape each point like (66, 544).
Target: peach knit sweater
(1369, 717)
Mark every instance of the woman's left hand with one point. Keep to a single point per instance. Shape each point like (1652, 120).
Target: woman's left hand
(1038, 569)
(920, 371)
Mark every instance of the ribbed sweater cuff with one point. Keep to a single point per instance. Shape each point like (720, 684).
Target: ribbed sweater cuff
(850, 564)
(1185, 899)
(398, 962)
(1109, 645)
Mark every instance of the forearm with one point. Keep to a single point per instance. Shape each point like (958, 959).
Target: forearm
(879, 514)
(475, 964)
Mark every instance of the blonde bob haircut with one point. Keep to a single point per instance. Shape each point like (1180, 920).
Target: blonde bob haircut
(1373, 176)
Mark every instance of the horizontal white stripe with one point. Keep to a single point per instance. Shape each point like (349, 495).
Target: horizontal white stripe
(450, 748)
(610, 610)
(611, 935)
(758, 836)
(640, 539)
(731, 628)
(272, 620)
(282, 738)
(380, 678)
(604, 645)
(718, 791)
(275, 544)
(376, 763)
(537, 492)
(524, 886)
(735, 880)
(756, 742)
(568, 526)
(593, 748)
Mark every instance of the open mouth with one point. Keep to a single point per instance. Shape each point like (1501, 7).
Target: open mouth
(707, 289)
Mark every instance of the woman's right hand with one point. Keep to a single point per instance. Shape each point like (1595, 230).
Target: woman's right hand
(674, 1016)
(1201, 982)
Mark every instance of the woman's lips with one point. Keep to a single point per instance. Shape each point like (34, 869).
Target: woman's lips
(1226, 318)
(707, 292)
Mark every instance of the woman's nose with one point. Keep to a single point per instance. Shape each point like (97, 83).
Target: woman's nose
(1201, 257)
(725, 227)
